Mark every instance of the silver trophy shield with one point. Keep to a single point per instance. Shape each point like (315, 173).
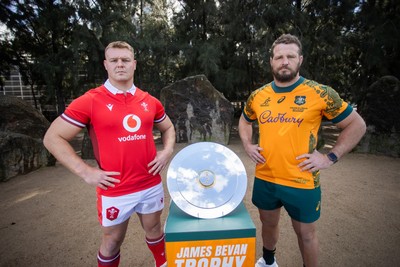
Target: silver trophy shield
(206, 180)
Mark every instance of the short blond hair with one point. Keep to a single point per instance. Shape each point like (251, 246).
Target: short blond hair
(121, 45)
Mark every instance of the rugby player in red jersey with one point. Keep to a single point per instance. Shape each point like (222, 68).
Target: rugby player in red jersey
(119, 118)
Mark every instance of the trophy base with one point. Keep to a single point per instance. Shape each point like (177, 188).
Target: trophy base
(224, 241)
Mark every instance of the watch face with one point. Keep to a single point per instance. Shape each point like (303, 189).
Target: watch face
(332, 157)
(206, 180)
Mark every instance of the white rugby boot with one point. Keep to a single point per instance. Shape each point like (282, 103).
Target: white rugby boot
(261, 263)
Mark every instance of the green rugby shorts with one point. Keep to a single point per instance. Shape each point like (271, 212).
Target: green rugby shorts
(303, 205)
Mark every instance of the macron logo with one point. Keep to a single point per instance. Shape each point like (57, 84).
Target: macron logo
(110, 106)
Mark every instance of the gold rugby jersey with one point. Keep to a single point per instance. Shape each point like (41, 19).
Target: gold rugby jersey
(289, 119)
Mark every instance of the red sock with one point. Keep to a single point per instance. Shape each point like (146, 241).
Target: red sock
(157, 247)
(112, 261)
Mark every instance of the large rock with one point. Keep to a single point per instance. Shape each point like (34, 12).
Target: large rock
(21, 138)
(198, 111)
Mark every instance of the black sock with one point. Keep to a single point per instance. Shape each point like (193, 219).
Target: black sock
(269, 256)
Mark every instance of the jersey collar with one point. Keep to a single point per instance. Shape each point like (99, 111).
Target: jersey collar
(112, 89)
(287, 89)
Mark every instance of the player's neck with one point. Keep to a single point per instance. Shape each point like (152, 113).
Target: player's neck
(122, 85)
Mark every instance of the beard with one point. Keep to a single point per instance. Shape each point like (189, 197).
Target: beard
(286, 76)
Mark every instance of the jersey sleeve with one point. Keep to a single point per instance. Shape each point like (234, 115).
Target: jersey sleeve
(79, 111)
(336, 108)
(248, 112)
(160, 111)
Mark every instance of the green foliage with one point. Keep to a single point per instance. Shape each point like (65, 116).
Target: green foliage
(59, 45)
(380, 107)
(41, 32)
(375, 40)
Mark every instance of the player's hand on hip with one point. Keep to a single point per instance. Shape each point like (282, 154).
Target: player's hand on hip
(313, 162)
(159, 162)
(101, 179)
(254, 152)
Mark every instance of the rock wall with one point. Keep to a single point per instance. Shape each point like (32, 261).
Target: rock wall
(21, 138)
(198, 111)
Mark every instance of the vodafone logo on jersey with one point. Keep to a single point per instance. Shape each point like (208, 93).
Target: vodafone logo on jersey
(131, 123)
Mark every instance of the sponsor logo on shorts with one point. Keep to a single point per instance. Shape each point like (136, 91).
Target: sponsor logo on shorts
(318, 206)
(300, 180)
(112, 213)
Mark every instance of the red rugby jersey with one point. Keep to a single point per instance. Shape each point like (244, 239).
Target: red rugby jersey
(121, 129)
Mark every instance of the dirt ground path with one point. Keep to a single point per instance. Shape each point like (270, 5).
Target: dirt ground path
(48, 218)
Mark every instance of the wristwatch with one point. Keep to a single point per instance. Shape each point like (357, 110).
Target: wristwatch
(332, 157)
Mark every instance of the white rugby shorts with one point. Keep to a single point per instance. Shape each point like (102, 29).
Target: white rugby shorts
(115, 210)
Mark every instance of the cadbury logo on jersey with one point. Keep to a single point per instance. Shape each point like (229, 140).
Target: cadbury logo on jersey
(268, 117)
(132, 124)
